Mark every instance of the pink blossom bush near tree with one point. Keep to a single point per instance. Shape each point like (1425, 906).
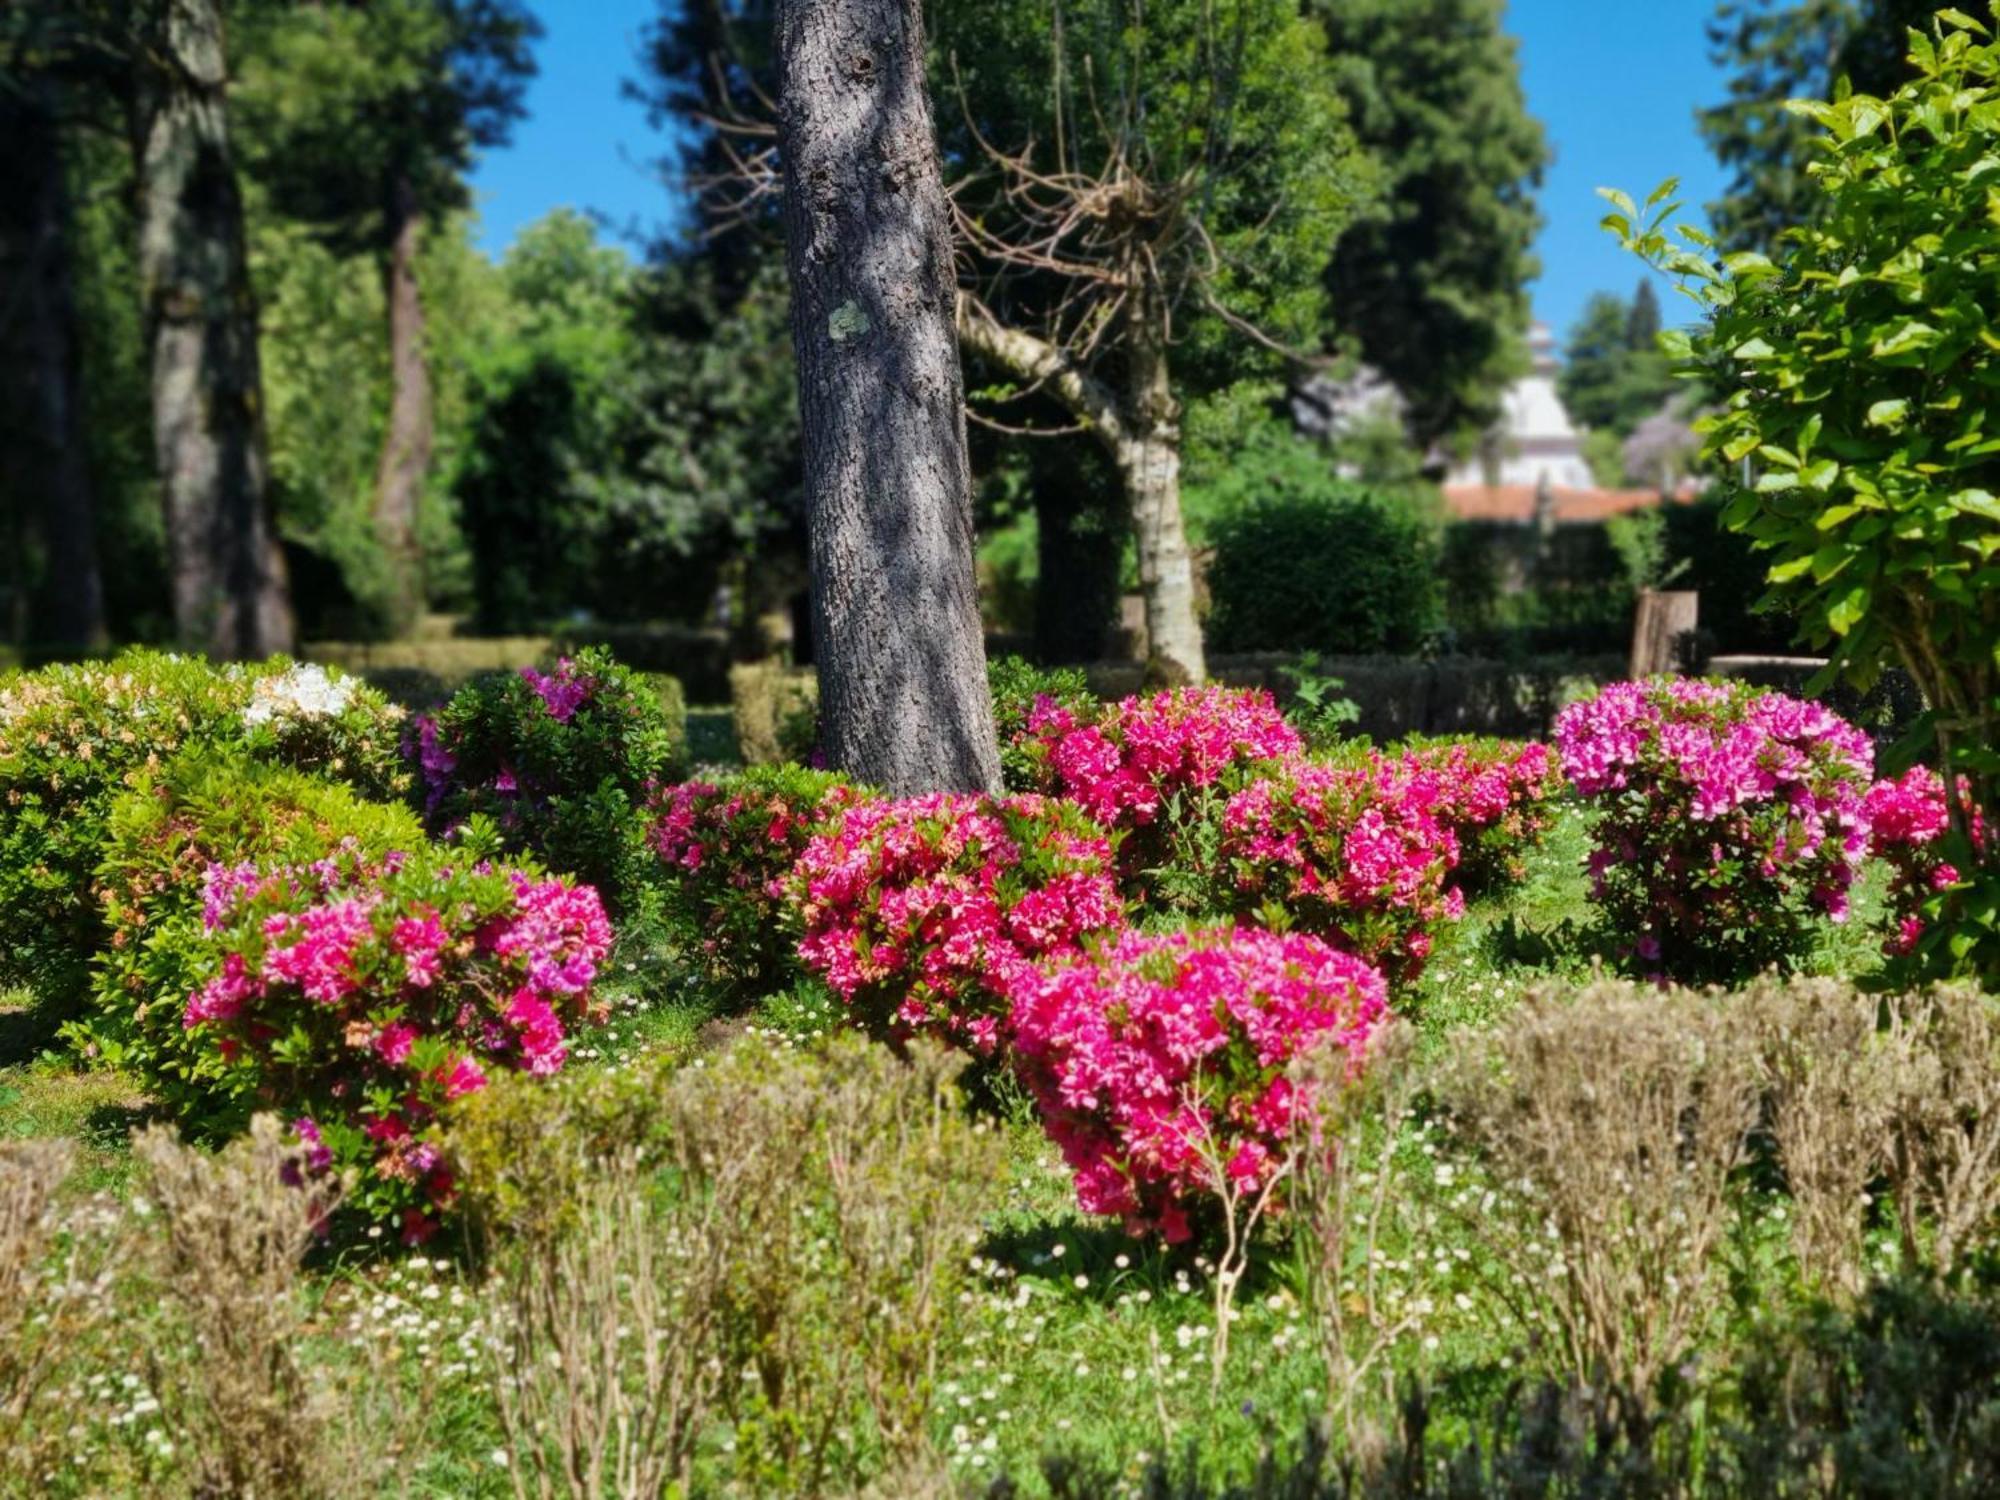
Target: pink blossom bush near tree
(1908, 820)
(726, 848)
(923, 914)
(1728, 821)
(1160, 1062)
(360, 996)
(1358, 855)
(1142, 763)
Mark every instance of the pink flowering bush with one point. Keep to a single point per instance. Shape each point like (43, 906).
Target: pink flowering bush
(1359, 854)
(361, 995)
(1496, 796)
(1729, 821)
(1159, 1061)
(1909, 826)
(1142, 766)
(922, 914)
(561, 761)
(726, 848)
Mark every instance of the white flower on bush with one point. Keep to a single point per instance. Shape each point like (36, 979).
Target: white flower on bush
(305, 691)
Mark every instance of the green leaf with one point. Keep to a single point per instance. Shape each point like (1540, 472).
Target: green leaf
(1889, 413)
(1908, 339)
(1789, 569)
(1822, 475)
(1664, 191)
(1977, 503)
(1753, 349)
(1961, 20)
(1849, 610)
(1621, 201)
(1828, 519)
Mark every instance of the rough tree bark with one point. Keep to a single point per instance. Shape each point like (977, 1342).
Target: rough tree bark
(230, 594)
(406, 447)
(903, 695)
(44, 471)
(1141, 432)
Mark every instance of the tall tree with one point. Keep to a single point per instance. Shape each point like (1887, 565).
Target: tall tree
(1430, 284)
(45, 477)
(1775, 50)
(230, 593)
(868, 243)
(367, 113)
(1151, 191)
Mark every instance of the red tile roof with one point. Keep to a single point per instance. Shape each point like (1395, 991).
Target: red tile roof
(1516, 502)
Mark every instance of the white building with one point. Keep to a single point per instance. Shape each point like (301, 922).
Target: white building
(1535, 442)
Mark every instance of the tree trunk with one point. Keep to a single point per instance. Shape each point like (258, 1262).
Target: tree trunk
(1148, 455)
(46, 472)
(901, 656)
(1142, 435)
(230, 594)
(406, 448)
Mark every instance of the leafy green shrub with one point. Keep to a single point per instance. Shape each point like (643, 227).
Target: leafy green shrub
(774, 709)
(1016, 684)
(1857, 370)
(162, 838)
(72, 738)
(724, 848)
(562, 762)
(1347, 573)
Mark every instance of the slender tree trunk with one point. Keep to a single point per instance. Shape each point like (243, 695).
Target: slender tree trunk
(1141, 432)
(406, 448)
(1148, 455)
(230, 594)
(901, 656)
(44, 470)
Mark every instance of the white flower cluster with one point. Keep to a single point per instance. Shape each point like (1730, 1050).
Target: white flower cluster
(304, 691)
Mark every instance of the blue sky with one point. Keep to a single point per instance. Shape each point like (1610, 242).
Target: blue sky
(1615, 83)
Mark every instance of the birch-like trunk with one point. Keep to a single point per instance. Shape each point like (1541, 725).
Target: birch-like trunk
(901, 656)
(1140, 429)
(44, 468)
(406, 447)
(230, 594)
(1148, 454)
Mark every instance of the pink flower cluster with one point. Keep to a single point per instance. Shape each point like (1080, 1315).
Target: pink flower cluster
(1495, 796)
(367, 994)
(1160, 1061)
(1907, 819)
(922, 914)
(1356, 854)
(1129, 766)
(728, 849)
(1726, 819)
(564, 690)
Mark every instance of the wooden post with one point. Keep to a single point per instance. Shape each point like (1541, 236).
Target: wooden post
(1661, 620)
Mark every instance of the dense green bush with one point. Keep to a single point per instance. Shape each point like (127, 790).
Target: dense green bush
(162, 838)
(72, 738)
(562, 762)
(1347, 572)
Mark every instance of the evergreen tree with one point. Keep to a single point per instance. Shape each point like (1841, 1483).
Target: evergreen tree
(1613, 376)
(1430, 285)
